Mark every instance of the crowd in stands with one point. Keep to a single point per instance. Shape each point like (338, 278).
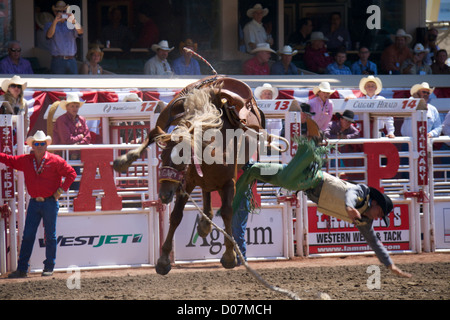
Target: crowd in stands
(317, 49)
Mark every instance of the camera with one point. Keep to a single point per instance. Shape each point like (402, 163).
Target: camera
(64, 16)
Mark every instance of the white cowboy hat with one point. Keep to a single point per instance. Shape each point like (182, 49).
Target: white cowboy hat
(70, 98)
(132, 97)
(376, 80)
(39, 136)
(262, 47)
(420, 86)
(402, 33)
(163, 45)
(419, 48)
(257, 7)
(324, 87)
(264, 87)
(317, 35)
(14, 80)
(287, 50)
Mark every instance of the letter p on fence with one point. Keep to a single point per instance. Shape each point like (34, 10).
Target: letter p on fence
(375, 171)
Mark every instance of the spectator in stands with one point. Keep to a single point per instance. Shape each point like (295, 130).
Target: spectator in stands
(91, 65)
(158, 65)
(16, 104)
(416, 64)
(259, 64)
(434, 125)
(394, 55)
(338, 36)
(321, 105)
(118, 35)
(364, 65)
(63, 46)
(149, 33)
(440, 66)
(254, 31)
(186, 64)
(267, 92)
(284, 66)
(71, 128)
(43, 172)
(431, 45)
(371, 87)
(343, 128)
(300, 38)
(14, 63)
(316, 55)
(446, 125)
(338, 67)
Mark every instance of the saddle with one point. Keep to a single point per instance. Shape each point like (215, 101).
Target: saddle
(237, 99)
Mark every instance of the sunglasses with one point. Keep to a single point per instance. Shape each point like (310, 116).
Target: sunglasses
(15, 50)
(37, 144)
(15, 86)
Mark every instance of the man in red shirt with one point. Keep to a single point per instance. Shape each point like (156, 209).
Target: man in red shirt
(316, 55)
(259, 64)
(43, 172)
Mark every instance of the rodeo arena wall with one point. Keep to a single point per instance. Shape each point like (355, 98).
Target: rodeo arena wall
(114, 220)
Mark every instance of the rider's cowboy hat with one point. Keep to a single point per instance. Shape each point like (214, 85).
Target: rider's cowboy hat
(70, 98)
(257, 7)
(383, 201)
(373, 79)
(39, 136)
(324, 87)
(264, 87)
(163, 45)
(14, 80)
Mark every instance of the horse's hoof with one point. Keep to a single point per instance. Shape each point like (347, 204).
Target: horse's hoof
(228, 264)
(204, 228)
(163, 269)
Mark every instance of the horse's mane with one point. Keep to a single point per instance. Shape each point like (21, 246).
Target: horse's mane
(200, 113)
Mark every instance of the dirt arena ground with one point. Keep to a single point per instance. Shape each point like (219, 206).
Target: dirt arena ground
(340, 278)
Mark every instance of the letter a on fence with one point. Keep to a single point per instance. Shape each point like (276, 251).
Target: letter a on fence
(101, 159)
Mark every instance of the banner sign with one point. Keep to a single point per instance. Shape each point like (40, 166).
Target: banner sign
(6, 146)
(113, 109)
(379, 105)
(264, 236)
(442, 225)
(278, 105)
(422, 149)
(329, 235)
(96, 240)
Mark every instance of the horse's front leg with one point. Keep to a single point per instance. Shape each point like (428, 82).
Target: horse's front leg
(228, 260)
(204, 226)
(163, 265)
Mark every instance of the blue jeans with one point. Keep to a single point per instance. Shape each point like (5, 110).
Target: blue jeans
(63, 66)
(239, 227)
(48, 212)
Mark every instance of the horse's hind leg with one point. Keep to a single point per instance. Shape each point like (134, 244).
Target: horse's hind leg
(228, 259)
(204, 227)
(163, 265)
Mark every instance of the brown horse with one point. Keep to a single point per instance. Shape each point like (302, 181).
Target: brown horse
(212, 105)
(240, 106)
